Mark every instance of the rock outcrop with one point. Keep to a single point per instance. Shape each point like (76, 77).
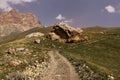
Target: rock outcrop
(65, 33)
(15, 22)
(35, 34)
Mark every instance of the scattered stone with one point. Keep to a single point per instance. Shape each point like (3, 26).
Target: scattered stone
(37, 41)
(21, 49)
(110, 77)
(10, 51)
(18, 50)
(102, 32)
(34, 72)
(14, 62)
(36, 34)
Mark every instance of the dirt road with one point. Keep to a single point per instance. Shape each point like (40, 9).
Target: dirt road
(59, 68)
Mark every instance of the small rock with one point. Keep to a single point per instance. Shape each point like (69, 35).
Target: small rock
(14, 62)
(110, 77)
(20, 49)
(37, 41)
(10, 51)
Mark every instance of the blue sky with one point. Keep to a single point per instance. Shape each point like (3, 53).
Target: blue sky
(78, 13)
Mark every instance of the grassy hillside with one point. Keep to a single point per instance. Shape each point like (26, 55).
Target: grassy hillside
(35, 53)
(16, 36)
(14, 65)
(101, 52)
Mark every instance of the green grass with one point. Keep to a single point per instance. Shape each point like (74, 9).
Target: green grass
(28, 43)
(101, 52)
(17, 36)
(104, 54)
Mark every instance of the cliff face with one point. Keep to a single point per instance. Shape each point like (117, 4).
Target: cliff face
(14, 21)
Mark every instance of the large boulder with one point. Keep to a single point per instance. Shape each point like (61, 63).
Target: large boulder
(53, 36)
(65, 33)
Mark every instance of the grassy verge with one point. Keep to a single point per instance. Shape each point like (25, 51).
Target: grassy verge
(101, 52)
(34, 54)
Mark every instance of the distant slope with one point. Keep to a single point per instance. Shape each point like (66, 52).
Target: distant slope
(16, 36)
(95, 28)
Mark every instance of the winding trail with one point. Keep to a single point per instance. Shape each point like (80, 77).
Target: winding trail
(59, 68)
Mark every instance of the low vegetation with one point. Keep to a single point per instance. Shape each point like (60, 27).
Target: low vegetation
(100, 52)
(27, 54)
(99, 55)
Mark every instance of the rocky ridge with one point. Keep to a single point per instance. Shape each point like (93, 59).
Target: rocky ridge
(15, 22)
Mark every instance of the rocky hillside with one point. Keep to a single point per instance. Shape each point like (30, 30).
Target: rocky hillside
(15, 22)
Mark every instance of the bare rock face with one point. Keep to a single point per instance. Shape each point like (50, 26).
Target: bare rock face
(65, 33)
(15, 22)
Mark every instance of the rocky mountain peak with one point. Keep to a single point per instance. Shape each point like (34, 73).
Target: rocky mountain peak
(14, 11)
(14, 21)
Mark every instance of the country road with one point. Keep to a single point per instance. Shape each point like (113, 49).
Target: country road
(59, 68)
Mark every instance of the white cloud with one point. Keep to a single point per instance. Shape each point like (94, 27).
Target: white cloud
(68, 21)
(64, 19)
(60, 17)
(110, 9)
(5, 5)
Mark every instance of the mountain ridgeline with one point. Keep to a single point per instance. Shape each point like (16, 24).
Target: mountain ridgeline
(15, 22)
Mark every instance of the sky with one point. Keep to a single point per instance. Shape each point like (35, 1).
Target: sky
(77, 13)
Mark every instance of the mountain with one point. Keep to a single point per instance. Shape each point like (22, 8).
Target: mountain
(16, 22)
